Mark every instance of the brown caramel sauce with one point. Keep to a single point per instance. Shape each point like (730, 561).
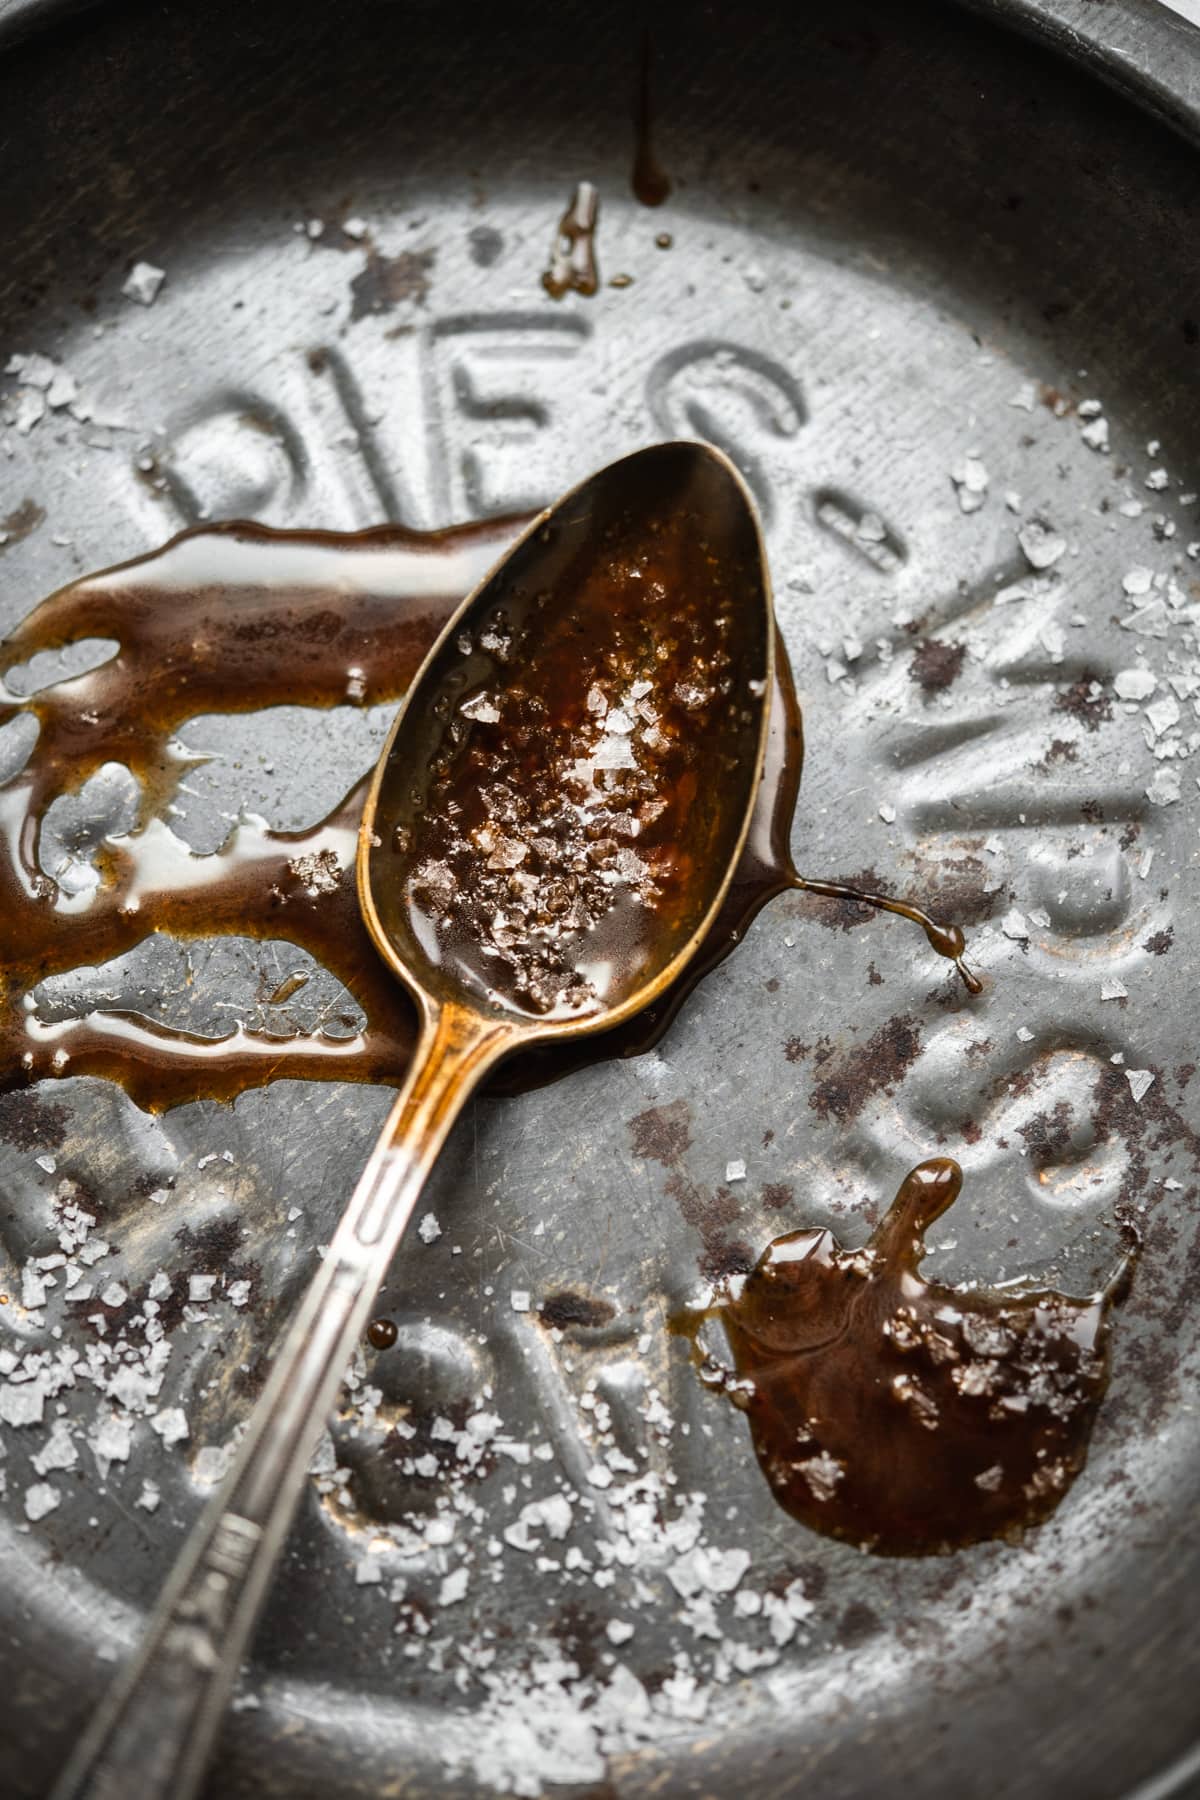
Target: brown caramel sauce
(583, 787)
(650, 181)
(573, 257)
(382, 1333)
(229, 619)
(898, 1414)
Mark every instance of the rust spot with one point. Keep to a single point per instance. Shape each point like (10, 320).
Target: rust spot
(848, 1081)
(386, 280)
(567, 1308)
(28, 1124)
(857, 1624)
(796, 1049)
(1061, 750)
(1161, 942)
(777, 1194)
(1086, 701)
(662, 1133)
(19, 523)
(936, 665)
(1048, 1136)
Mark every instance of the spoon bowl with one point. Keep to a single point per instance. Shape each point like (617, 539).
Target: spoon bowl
(558, 811)
(552, 827)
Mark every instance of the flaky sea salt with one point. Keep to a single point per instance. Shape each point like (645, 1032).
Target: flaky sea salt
(735, 1170)
(429, 1229)
(1041, 544)
(1140, 1082)
(971, 483)
(41, 1499)
(143, 282)
(1134, 684)
(1113, 990)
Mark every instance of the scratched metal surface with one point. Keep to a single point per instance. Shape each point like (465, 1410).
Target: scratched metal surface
(878, 236)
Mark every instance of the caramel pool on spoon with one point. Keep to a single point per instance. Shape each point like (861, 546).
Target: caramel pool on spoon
(552, 827)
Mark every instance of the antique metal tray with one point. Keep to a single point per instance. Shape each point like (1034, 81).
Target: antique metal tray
(909, 259)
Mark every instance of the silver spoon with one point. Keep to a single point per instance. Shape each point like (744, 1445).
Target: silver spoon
(551, 829)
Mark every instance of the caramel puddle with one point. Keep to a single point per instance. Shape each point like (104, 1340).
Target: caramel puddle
(900, 1415)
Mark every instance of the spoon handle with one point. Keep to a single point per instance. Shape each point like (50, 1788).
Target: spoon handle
(152, 1733)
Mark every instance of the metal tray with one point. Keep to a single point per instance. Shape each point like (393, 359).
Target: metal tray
(897, 238)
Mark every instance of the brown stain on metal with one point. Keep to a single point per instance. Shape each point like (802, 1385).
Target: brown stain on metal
(1086, 700)
(19, 523)
(385, 281)
(662, 1133)
(568, 1309)
(936, 665)
(849, 1078)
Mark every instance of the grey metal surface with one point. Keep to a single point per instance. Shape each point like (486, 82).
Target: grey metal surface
(879, 237)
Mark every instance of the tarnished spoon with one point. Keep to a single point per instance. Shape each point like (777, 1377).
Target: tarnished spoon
(551, 829)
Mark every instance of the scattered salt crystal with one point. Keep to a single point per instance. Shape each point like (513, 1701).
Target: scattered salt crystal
(355, 227)
(1145, 863)
(110, 1441)
(1134, 684)
(1024, 1034)
(171, 1425)
(454, 1587)
(368, 1571)
(735, 1171)
(1149, 620)
(887, 813)
(618, 1631)
(200, 1288)
(115, 1294)
(971, 483)
(480, 708)
(1040, 917)
(160, 1286)
(1140, 1081)
(143, 282)
(238, 1293)
(1113, 990)
(1042, 545)
(149, 1497)
(1138, 580)
(41, 1499)
(22, 1403)
(519, 1300)
(1163, 715)
(1013, 925)
(703, 1570)
(1025, 396)
(46, 1162)
(1095, 434)
(598, 1476)
(429, 1229)
(58, 1452)
(1164, 787)
(1156, 480)
(33, 1288)
(212, 1463)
